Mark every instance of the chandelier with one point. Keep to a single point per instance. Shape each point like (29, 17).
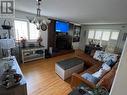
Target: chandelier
(41, 22)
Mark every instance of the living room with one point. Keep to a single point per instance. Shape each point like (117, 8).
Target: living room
(49, 49)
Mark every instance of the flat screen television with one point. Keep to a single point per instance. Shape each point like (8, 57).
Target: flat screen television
(62, 26)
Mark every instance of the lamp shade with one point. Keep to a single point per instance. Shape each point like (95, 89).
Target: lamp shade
(7, 43)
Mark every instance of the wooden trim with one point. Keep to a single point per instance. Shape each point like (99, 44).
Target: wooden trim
(77, 79)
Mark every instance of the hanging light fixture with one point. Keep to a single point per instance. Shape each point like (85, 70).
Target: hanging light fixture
(40, 21)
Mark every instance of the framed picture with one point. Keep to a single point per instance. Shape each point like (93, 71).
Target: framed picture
(124, 37)
(76, 34)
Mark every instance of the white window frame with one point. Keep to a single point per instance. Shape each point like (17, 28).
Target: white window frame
(28, 30)
(111, 31)
(29, 33)
(93, 34)
(117, 35)
(109, 34)
(16, 30)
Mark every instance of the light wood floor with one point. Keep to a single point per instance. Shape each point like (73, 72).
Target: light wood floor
(42, 79)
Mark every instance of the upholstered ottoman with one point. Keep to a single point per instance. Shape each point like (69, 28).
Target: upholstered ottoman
(65, 68)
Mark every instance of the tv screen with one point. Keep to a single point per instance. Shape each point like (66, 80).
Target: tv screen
(62, 26)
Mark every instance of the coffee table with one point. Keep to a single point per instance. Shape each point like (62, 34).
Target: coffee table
(67, 67)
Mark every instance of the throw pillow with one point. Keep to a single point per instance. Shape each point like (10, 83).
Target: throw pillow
(109, 56)
(99, 74)
(106, 67)
(90, 78)
(98, 55)
(110, 63)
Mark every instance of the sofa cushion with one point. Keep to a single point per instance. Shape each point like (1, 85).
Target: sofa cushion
(90, 78)
(109, 63)
(106, 67)
(109, 56)
(98, 55)
(99, 74)
(104, 56)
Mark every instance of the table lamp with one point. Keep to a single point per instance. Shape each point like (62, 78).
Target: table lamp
(7, 44)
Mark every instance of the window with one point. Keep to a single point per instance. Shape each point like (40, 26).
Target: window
(34, 33)
(91, 34)
(25, 30)
(103, 34)
(114, 35)
(98, 34)
(21, 29)
(106, 35)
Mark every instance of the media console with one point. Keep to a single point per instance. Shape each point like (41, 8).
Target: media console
(32, 53)
(63, 42)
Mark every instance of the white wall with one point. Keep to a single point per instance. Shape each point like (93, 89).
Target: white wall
(83, 38)
(4, 32)
(120, 82)
(44, 35)
(22, 16)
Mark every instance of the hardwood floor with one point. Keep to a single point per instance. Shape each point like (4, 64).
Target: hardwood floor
(42, 79)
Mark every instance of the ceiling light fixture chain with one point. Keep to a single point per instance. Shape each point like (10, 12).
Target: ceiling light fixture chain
(38, 7)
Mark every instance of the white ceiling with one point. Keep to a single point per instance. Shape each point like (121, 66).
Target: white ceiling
(80, 11)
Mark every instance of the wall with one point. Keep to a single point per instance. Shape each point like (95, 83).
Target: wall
(83, 37)
(22, 16)
(119, 44)
(120, 82)
(4, 33)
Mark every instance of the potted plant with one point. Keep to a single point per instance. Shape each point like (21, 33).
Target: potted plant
(99, 90)
(23, 42)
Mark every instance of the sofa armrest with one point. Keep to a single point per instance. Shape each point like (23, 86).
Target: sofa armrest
(77, 79)
(89, 61)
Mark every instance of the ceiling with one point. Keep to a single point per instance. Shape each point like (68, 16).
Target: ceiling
(80, 11)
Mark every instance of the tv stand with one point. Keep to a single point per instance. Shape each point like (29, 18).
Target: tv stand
(63, 42)
(61, 33)
(32, 53)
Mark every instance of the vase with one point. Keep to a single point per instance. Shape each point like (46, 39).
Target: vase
(23, 45)
(39, 44)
